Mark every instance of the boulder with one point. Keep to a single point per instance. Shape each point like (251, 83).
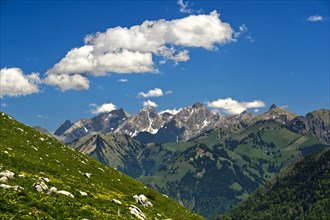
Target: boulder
(4, 186)
(88, 175)
(40, 186)
(44, 179)
(52, 190)
(136, 212)
(7, 173)
(3, 179)
(83, 193)
(66, 193)
(142, 200)
(15, 188)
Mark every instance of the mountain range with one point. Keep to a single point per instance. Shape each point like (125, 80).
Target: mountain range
(206, 161)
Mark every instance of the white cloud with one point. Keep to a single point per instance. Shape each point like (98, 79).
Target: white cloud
(315, 18)
(106, 107)
(256, 110)
(149, 103)
(14, 83)
(250, 38)
(66, 82)
(123, 80)
(242, 29)
(171, 111)
(168, 92)
(231, 106)
(184, 7)
(130, 50)
(157, 92)
(3, 104)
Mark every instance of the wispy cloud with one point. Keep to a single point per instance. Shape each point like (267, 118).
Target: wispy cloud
(168, 92)
(150, 103)
(42, 116)
(123, 80)
(106, 107)
(315, 18)
(231, 106)
(184, 7)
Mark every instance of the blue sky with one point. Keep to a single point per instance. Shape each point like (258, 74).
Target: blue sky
(263, 52)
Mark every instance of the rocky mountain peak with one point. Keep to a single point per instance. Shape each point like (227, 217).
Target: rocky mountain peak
(63, 127)
(198, 105)
(277, 114)
(273, 106)
(148, 109)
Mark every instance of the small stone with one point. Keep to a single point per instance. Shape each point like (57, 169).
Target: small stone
(83, 193)
(3, 179)
(117, 201)
(66, 193)
(88, 175)
(52, 190)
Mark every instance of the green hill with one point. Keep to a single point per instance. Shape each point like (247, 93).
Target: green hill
(71, 184)
(302, 191)
(220, 168)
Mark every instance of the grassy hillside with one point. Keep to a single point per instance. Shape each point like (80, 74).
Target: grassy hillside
(34, 158)
(302, 191)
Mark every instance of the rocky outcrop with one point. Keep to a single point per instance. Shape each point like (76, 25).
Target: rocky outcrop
(317, 123)
(142, 200)
(146, 120)
(136, 212)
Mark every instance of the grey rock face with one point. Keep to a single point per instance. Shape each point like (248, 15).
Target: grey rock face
(146, 120)
(317, 122)
(101, 123)
(65, 126)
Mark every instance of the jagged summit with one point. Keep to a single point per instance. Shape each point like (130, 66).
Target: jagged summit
(170, 125)
(65, 126)
(198, 105)
(273, 106)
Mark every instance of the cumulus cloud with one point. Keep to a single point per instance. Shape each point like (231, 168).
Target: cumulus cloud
(315, 18)
(157, 92)
(123, 80)
(149, 103)
(125, 50)
(106, 107)
(66, 82)
(14, 83)
(233, 107)
(184, 7)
